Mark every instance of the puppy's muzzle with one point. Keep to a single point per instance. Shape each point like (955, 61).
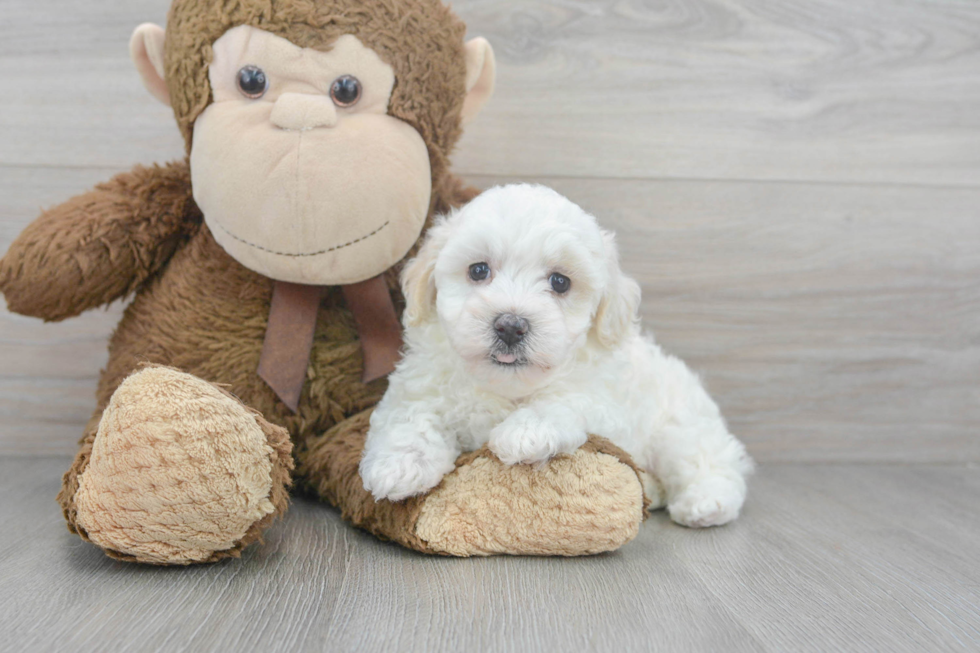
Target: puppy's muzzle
(510, 328)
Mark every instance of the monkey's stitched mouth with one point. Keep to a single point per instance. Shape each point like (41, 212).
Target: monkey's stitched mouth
(301, 254)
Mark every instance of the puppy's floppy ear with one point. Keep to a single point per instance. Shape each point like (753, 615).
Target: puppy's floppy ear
(418, 284)
(620, 303)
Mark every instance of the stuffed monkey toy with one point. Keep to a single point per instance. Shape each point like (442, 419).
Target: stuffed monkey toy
(264, 275)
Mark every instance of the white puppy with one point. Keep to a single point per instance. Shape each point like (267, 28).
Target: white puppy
(521, 331)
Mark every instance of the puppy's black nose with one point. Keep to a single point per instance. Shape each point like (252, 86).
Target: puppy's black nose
(510, 328)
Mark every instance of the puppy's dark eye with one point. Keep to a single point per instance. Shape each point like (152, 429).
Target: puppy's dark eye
(560, 283)
(345, 91)
(479, 271)
(252, 82)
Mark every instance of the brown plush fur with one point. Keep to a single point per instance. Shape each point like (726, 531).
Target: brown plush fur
(422, 40)
(100, 246)
(206, 315)
(198, 310)
(328, 467)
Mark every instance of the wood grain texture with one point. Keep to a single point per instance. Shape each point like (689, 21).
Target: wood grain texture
(852, 558)
(833, 319)
(830, 90)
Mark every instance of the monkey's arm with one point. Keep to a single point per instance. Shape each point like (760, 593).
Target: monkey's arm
(101, 245)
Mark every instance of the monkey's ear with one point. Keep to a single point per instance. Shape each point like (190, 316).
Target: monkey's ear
(481, 71)
(146, 50)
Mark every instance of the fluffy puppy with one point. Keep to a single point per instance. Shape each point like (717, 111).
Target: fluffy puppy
(522, 331)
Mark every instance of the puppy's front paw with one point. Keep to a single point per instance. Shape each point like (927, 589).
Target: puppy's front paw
(712, 501)
(526, 437)
(397, 475)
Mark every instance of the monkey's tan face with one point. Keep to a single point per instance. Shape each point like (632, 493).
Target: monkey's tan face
(301, 174)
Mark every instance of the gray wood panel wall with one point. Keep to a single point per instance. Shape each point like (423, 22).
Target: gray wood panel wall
(795, 184)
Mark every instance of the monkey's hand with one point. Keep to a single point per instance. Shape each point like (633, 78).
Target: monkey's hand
(101, 245)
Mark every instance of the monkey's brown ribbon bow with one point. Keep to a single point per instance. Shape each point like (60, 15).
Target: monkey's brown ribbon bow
(288, 341)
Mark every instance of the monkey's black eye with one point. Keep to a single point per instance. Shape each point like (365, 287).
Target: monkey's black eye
(560, 283)
(479, 271)
(252, 82)
(345, 91)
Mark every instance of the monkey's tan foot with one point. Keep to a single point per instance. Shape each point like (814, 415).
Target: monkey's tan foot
(589, 502)
(180, 472)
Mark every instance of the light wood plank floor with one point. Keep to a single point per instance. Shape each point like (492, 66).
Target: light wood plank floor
(825, 558)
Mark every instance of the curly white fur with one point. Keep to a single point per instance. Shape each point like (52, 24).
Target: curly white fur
(582, 367)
